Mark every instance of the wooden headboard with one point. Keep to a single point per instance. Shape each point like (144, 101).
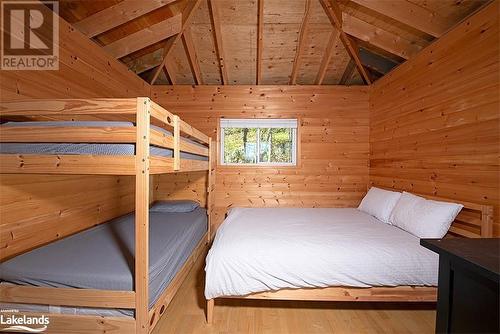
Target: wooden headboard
(474, 221)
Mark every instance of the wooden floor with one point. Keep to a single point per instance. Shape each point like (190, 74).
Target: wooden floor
(186, 314)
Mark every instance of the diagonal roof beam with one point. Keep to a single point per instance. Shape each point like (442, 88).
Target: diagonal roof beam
(146, 62)
(187, 17)
(116, 15)
(300, 44)
(170, 71)
(327, 56)
(215, 18)
(145, 37)
(410, 14)
(187, 40)
(378, 37)
(334, 14)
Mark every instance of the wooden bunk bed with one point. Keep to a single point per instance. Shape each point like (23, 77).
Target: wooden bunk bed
(474, 221)
(147, 116)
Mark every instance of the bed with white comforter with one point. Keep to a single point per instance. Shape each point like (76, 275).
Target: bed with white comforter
(263, 249)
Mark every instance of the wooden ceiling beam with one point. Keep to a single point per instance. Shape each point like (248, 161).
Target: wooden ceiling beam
(117, 15)
(327, 56)
(300, 43)
(146, 62)
(260, 33)
(334, 14)
(187, 17)
(145, 37)
(215, 19)
(187, 40)
(378, 37)
(349, 70)
(170, 71)
(410, 14)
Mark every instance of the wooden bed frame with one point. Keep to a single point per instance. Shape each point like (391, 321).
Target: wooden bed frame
(143, 112)
(474, 221)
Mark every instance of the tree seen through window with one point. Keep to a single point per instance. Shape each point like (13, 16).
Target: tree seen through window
(258, 145)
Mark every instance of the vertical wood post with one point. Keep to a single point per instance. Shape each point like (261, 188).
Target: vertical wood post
(210, 311)
(142, 215)
(177, 143)
(210, 188)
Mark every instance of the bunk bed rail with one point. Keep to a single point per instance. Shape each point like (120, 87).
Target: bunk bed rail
(98, 110)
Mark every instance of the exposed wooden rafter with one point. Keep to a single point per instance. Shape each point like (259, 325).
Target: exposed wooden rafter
(279, 36)
(187, 41)
(215, 19)
(187, 16)
(378, 37)
(334, 14)
(260, 33)
(410, 14)
(300, 43)
(327, 56)
(170, 71)
(146, 62)
(116, 15)
(145, 37)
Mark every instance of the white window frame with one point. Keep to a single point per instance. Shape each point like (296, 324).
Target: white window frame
(259, 123)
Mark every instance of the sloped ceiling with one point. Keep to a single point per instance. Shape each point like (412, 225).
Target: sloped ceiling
(281, 42)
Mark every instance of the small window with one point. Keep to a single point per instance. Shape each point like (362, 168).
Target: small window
(258, 141)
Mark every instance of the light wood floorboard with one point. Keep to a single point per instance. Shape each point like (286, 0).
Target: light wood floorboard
(186, 314)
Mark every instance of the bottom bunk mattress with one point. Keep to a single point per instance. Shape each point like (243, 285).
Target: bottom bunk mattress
(263, 249)
(103, 258)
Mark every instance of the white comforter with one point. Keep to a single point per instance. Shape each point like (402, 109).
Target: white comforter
(261, 249)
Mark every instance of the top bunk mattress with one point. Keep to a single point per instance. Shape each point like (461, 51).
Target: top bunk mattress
(103, 257)
(89, 148)
(263, 249)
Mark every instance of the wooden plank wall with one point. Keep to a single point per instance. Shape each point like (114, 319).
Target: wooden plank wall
(85, 70)
(435, 119)
(333, 157)
(36, 209)
(191, 185)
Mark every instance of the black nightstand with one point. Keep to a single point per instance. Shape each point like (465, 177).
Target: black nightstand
(468, 291)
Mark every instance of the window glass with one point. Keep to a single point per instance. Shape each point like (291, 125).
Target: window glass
(262, 142)
(276, 145)
(240, 145)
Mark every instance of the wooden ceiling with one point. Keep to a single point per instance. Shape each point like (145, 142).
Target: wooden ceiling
(273, 42)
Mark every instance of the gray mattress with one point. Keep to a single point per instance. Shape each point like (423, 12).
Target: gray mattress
(102, 257)
(88, 148)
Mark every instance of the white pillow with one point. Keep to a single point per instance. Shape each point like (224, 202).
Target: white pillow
(424, 218)
(379, 203)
